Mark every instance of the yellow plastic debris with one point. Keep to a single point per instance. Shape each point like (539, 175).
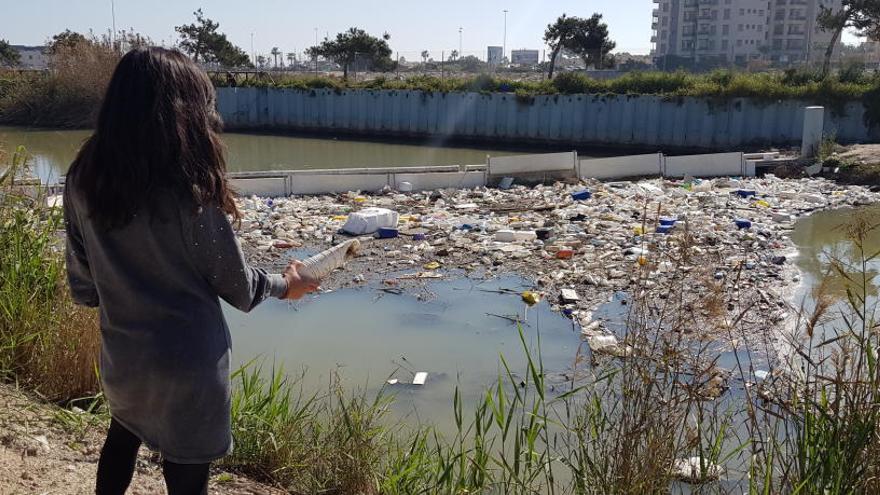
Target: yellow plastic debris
(762, 203)
(638, 230)
(432, 265)
(643, 261)
(531, 298)
(359, 199)
(339, 218)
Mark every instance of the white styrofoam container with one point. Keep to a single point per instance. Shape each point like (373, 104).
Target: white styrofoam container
(369, 220)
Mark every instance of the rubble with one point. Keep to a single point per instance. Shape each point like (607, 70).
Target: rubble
(592, 238)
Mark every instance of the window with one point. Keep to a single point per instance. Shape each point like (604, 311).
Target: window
(725, 29)
(726, 14)
(739, 42)
(724, 44)
(739, 28)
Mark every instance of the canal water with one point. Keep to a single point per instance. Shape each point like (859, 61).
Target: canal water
(53, 150)
(455, 331)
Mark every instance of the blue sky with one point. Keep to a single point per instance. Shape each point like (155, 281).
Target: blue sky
(414, 25)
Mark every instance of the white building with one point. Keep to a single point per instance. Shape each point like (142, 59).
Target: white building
(32, 57)
(495, 55)
(739, 31)
(525, 57)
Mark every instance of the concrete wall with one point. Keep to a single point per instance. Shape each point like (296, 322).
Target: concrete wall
(625, 121)
(621, 166)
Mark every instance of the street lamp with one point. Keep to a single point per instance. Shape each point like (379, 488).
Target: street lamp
(459, 42)
(504, 44)
(253, 53)
(316, 53)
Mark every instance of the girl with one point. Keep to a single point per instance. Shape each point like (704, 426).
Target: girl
(149, 243)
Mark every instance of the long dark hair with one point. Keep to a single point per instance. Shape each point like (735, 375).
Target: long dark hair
(157, 130)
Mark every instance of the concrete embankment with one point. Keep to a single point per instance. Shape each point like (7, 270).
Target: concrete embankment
(623, 121)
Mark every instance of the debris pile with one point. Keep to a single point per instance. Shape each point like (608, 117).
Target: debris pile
(578, 242)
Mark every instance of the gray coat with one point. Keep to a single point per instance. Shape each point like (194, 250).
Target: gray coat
(165, 352)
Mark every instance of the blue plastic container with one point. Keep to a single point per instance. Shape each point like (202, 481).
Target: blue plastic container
(664, 229)
(385, 233)
(668, 221)
(581, 195)
(742, 223)
(419, 237)
(745, 193)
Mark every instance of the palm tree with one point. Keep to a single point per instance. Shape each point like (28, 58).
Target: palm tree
(425, 56)
(275, 52)
(453, 56)
(291, 59)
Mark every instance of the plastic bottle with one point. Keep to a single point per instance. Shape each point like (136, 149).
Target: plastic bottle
(323, 263)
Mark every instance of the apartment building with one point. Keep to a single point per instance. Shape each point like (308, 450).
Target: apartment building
(740, 31)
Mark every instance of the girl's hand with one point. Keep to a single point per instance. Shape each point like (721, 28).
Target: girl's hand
(298, 285)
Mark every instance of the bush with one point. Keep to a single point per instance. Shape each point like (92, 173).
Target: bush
(68, 95)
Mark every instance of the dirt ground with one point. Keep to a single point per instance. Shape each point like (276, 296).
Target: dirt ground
(39, 456)
(864, 169)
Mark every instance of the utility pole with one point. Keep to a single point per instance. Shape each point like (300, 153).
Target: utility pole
(316, 54)
(504, 44)
(459, 42)
(113, 17)
(253, 53)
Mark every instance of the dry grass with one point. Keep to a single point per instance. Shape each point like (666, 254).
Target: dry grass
(68, 96)
(46, 341)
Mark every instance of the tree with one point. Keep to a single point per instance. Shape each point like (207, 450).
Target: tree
(425, 55)
(453, 56)
(8, 55)
(471, 63)
(275, 52)
(261, 61)
(65, 39)
(586, 38)
(355, 45)
(861, 15)
(203, 42)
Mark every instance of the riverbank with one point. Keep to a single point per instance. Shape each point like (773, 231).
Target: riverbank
(48, 450)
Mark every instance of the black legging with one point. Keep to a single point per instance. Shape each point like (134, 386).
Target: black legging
(117, 463)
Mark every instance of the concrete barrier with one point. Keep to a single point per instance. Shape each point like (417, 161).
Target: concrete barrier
(564, 164)
(621, 166)
(440, 180)
(712, 165)
(332, 181)
(260, 186)
(317, 183)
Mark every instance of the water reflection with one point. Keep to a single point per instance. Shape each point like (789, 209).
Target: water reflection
(53, 150)
(821, 238)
